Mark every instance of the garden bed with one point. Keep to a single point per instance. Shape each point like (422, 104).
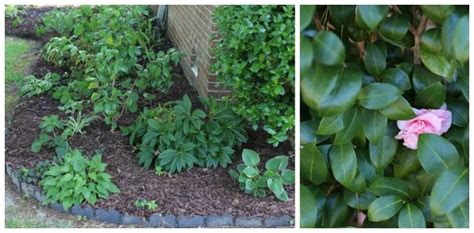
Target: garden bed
(199, 191)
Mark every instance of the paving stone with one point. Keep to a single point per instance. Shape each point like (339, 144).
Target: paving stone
(219, 221)
(8, 169)
(190, 221)
(76, 210)
(112, 216)
(39, 196)
(24, 187)
(15, 180)
(58, 207)
(169, 221)
(30, 189)
(281, 221)
(88, 212)
(156, 220)
(248, 222)
(131, 219)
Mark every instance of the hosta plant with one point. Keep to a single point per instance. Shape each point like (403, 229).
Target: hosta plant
(257, 182)
(384, 131)
(77, 179)
(32, 86)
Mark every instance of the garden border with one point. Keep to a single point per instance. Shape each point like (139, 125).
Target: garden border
(156, 220)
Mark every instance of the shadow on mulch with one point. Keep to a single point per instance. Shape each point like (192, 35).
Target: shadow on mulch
(195, 192)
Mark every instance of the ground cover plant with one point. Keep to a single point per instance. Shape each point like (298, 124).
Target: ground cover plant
(385, 129)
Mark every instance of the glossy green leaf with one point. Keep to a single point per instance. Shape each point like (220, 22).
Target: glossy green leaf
(450, 190)
(398, 110)
(461, 39)
(447, 34)
(341, 14)
(375, 125)
(435, 153)
(384, 186)
(308, 131)
(437, 13)
(382, 153)
(370, 16)
(431, 97)
(313, 165)
(463, 85)
(406, 162)
(431, 40)
(459, 217)
(352, 125)
(422, 78)
(394, 27)
(384, 208)
(306, 15)
(438, 64)
(306, 54)
(359, 201)
(308, 208)
(343, 162)
(411, 217)
(358, 185)
(319, 84)
(344, 94)
(336, 211)
(331, 125)
(374, 60)
(250, 158)
(378, 95)
(397, 77)
(329, 49)
(407, 41)
(460, 112)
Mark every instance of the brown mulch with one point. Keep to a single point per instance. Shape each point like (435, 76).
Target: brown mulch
(198, 191)
(30, 19)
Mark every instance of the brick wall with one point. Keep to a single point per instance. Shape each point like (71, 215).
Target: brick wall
(191, 30)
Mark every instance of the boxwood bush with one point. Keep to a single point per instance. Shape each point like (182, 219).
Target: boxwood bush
(372, 75)
(255, 59)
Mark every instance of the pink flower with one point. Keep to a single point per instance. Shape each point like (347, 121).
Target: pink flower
(433, 121)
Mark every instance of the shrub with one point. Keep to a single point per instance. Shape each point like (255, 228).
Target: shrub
(76, 180)
(274, 177)
(255, 59)
(366, 69)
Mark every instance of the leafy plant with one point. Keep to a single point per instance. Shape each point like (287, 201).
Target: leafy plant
(255, 58)
(76, 125)
(275, 176)
(76, 180)
(159, 170)
(365, 71)
(32, 86)
(142, 203)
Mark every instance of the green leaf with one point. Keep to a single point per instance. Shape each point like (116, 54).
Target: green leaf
(431, 40)
(343, 162)
(461, 39)
(277, 163)
(331, 125)
(384, 186)
(374, 60)
(308, 208)
(378, 95)
(336, 211)
(450, 190)
(459, 217)
(406, 162)
(431, 97)
(370, 16)
(276, 185)
(313, 165)
(411, 217)
(319, 84)
(306, 54)
(250, 158)
(357, 200)
(438, 64)
(436, 153)
(447, 34)
(344, 94)
(397, 77)
(329, 49)
(460, 112)
(250, 172)
(288, 176)
(352, 125)
(382, 153)
(375, 125)
(308, 132)
(394, 27)
(437, 13)
(306, 15)
(341, 14)
(422, 78)
(384, 208)
(358, 185)
(398, 110)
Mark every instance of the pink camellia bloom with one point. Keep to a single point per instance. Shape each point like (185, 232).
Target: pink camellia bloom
(433, 121)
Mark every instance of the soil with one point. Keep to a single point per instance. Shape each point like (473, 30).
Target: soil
(29, 20)
(198, 191)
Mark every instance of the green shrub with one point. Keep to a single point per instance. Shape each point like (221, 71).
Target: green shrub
(275, 176)
(76, 180)
(32, 86)
(365, 69)
(255, 59)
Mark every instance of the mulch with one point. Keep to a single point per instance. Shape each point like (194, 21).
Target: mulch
(198, 191)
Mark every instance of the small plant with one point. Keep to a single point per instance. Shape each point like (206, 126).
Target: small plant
(159, 170)
(77, 179)
(76, 125)
(275, 176)
(142, 203)
(32, 86)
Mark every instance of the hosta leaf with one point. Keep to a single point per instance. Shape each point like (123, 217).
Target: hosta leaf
(375, 125)
(431, 97)
(398, 110)
(384, 186)
(328, 48)
(352, 125)
(384, 208)
(438, 64)
(450, 190)
(411, 217)
(461, 39)
(378, 95)
(394, 27)
(436, 153)
(382, 153)
(319, 84)
(331, 125)
(370, 16)
(250, 158)
(306, 15)
(308, 208)
(343, 162)
(374, 60)
(276, 185)
(313, 165)
(398, 78)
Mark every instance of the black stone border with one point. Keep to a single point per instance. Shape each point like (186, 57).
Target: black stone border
(155, 220)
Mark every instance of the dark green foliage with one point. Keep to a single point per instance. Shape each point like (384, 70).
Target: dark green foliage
(255, 59)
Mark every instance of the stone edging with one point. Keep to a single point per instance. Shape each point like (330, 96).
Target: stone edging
(155, 220)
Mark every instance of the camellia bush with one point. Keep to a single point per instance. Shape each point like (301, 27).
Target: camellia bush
(385, 116)
(255, 59)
